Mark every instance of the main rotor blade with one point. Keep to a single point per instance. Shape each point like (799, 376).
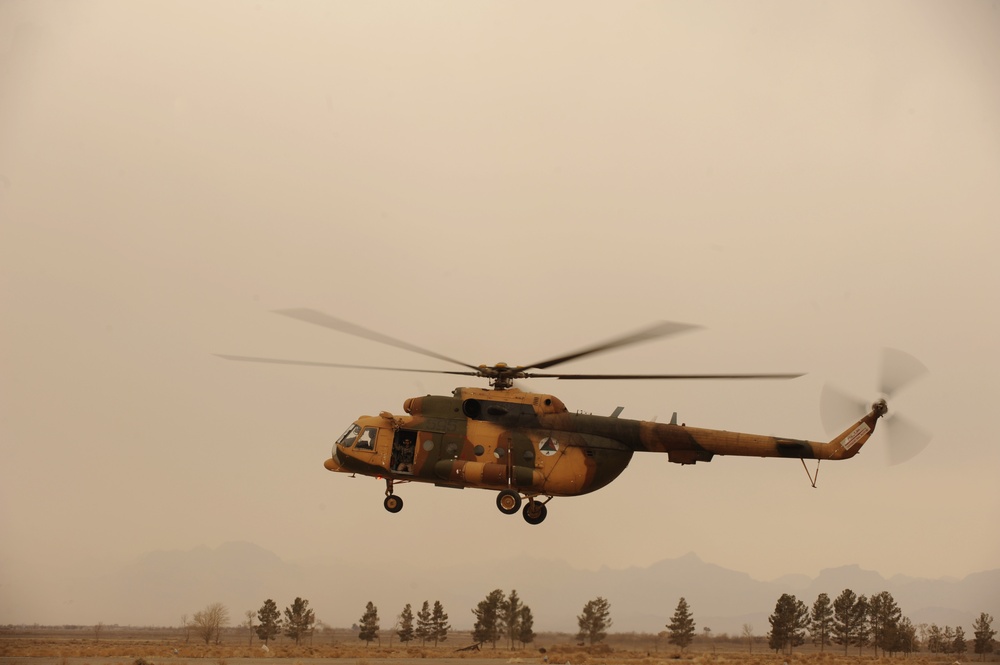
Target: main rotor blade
(629, 377)
(333, 323)
(662, 329)
(310, 363)
(898, 369)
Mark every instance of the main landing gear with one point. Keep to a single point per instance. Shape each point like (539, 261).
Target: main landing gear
(509, 502)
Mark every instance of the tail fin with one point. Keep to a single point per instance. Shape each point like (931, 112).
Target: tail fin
(849, 442)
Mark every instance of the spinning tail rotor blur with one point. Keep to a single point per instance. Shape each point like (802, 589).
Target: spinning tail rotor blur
(904, 438)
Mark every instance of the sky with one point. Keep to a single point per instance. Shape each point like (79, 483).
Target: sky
(495, 181)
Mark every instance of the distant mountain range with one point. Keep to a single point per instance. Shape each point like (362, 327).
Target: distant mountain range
(162, 586)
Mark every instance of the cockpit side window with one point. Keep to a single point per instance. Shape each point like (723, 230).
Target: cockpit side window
(347, 438)
(367, 439)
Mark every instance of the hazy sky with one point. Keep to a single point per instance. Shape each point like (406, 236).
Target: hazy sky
(498, 181)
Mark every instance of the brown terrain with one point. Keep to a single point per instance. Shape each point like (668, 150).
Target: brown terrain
(115, 645)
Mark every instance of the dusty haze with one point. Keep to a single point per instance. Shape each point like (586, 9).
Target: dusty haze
(497, 182)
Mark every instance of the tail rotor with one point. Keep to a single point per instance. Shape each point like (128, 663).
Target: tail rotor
(904, 438)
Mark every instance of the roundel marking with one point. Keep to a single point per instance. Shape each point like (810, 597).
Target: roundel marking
(548, 446)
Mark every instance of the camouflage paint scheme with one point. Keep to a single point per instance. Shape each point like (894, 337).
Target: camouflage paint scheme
(531, 443)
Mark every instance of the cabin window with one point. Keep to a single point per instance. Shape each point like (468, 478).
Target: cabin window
(367, 439)
(347, 438)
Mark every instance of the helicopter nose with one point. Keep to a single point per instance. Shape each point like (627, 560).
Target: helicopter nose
(333, 464)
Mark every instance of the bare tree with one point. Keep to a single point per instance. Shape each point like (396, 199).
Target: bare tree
(249, 614)
(98, 629)
(748, 634)
(186, 625)
(209, 622)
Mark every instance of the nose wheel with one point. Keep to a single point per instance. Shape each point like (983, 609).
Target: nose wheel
(392, 503)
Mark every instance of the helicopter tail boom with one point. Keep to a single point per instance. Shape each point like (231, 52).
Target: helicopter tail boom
(687, 445)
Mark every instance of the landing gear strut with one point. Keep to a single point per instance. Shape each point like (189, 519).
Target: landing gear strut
(534, 512)
(392, 503)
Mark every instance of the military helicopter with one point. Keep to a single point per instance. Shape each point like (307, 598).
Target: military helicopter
(529, 448)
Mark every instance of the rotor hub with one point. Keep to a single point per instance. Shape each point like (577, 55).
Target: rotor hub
(880, 408)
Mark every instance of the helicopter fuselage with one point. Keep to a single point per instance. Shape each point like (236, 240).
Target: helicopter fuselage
(531, 444)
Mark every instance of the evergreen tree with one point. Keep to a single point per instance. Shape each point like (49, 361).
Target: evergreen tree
(935, 639)
(489, 618)
(906, 637)
(883, 619)
(595, 620)
(511, 611)
(439, 623)
(788, 623)
(270, 621)
(983, 631)
(299, 620)
(369, 624)
(405, 630)
(680, 630)
(862, 632)
(423, 631)
(959, 645)
(821, 621)
(844, 618)
(526, 626)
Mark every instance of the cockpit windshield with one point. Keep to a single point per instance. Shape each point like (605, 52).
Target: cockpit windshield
(347, 439)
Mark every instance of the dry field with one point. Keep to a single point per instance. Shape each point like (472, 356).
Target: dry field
(166, 647)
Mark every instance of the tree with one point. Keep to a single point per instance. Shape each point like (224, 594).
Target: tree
(959, 645)
(935, 639)
(883, 619)
(983, 631)
(511, 612)
(186, 625)
(489, 618)
(299, 620)
(249, 624)
(405, 630)
(680, 630)
(788, 623)
(843, 618)
(98, 629)
(526, 626)
(821, 621)
(748, 635)
(423, 631)
(439, 623)
(270, 621)
(595, 620)
(209, 622)
(906, 637)
(369, 624)
(862, 632)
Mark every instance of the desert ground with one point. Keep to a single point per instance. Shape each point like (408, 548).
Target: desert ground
(141, 646)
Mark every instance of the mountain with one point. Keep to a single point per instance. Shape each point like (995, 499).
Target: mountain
(160, 587)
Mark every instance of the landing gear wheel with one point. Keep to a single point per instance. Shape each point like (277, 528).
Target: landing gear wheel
(393, 503)
(509, 502)
(534, 512)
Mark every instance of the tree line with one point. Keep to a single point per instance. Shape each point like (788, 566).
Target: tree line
(876, 622)
(849, 621)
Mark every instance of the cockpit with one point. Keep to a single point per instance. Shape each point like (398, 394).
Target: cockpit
(358, 437)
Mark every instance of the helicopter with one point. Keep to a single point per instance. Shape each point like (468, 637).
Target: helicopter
(529, 448)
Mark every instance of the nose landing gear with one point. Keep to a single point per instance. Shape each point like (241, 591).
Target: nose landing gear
(392, 503)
